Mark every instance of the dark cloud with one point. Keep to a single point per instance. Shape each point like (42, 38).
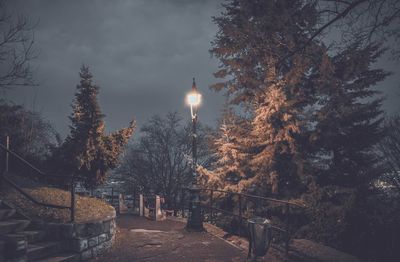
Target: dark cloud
(142, 53)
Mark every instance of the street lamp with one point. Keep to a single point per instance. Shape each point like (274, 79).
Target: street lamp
(195, 220)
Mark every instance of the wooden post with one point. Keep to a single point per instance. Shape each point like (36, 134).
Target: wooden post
(211, 205)
(134, 200)
(7, 154)
(112, 196)
(287, 229)
(120, 207)
(72, 199)
(240, 214)
(183, 202)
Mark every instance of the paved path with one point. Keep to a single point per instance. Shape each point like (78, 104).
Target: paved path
(139, 239)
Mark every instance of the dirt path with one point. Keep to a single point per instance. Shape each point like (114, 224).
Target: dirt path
(139, 239)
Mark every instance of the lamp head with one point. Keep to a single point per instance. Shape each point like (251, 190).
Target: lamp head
(194, 97)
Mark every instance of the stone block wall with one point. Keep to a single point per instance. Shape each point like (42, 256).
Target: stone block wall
(87, 239)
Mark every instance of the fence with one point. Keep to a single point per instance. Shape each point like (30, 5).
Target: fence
(215, 203)
(218, 204)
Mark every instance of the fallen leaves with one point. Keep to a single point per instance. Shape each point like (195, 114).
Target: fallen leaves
(87, 208)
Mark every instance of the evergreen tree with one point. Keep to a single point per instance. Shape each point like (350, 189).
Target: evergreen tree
(229, 169)
(88, 150)
(256, 44)
(315, 117)
(348, 126)
(349, 121)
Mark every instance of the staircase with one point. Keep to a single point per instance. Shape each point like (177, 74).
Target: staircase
(21, 241)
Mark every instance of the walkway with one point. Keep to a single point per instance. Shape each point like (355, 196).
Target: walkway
(139, 239)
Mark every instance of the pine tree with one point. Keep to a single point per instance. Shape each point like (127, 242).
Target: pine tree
(255, 45)
(87, 124)
(88, 150)
(348, 125)
(229, 168)
(349, 121)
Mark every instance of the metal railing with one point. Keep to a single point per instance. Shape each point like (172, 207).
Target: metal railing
(71, 179)
(108, 194)
(210, 204)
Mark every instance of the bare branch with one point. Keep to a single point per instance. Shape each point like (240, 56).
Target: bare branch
(16, 49)
(319, 31)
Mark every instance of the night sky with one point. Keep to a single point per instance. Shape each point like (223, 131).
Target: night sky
(142, 53)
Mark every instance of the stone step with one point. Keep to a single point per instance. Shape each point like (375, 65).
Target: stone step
(22, 224)
(67, 257)
(33, 236)
(14, 245)
(2, 251)
(6, 213)
(9, 226)
(42, 250)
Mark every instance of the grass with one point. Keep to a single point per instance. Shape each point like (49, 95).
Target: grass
(87, 208)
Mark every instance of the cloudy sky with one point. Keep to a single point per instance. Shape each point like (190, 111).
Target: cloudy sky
(142, 53)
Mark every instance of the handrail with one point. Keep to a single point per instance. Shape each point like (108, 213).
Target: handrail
(21, 159)
(209, 205)
(26, 194)
(241, 216)
(249, 195)
(35, 168)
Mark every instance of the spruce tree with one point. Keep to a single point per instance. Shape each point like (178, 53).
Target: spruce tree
(229, 168)
(349, 121)
(87, 124)
(88, 150)
(255, 45)
(348, 126)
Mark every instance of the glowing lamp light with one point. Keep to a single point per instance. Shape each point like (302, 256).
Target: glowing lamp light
(193, 99)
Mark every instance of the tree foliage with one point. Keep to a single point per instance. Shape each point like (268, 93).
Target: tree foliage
(229, 160)
(293, 100)
(349, 119)
(313, 117)
(88, 150)
(30, 135)
(253, 43)
(389, 148)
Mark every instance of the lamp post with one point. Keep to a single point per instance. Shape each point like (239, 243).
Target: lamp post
(195, 220)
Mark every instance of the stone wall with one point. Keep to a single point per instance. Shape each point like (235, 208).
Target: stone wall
(89, 239)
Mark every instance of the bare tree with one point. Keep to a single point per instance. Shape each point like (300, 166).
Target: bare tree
(365, 20)
(160, 160)
(31, 135)
(390, 149)
(16, 48)
(352, 21)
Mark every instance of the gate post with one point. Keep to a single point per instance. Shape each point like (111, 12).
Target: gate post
(7, 154)
(141, 205)
(158, 213)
